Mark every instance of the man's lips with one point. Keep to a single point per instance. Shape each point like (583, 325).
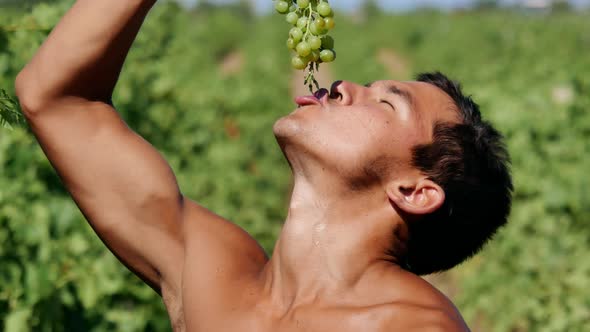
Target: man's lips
(318, 98)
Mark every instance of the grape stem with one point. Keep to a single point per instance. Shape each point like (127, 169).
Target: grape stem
(308, 21)
(310, 80)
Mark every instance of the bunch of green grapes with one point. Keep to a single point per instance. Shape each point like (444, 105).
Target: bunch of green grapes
(308, 38)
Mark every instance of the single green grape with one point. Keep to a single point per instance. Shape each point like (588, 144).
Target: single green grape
(303, 49)
(324, 9)
(327, 55)
(303, 3)
(292, 18)
(302, 23)
(319, 22)
(296, 34)
(327, 42)
(313, 28)
(298, 62)
(330, 24)
(291, 43)
(315, 42)
(282, 7)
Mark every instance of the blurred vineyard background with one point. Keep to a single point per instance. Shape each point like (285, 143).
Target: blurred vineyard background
(205, 86)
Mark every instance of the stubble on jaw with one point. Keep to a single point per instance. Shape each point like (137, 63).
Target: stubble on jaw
(372, 173)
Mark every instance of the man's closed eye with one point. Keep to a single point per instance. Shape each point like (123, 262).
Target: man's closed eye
(388, 103)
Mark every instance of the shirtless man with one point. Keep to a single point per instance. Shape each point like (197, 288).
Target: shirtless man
(392, 180)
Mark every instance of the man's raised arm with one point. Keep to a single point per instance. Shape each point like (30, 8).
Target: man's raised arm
(122, 185)
(84, 54)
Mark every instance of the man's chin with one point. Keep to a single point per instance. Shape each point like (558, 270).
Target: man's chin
(286, 127)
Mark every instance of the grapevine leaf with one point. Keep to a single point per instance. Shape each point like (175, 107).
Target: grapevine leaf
(10, 112)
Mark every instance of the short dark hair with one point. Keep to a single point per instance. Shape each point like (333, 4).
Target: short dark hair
(470, 162)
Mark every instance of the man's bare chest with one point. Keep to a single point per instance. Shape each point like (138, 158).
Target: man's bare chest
(254, 319)
(241, 305)
(249, 321)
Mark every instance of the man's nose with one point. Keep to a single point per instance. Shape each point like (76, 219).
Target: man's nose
(344, 92)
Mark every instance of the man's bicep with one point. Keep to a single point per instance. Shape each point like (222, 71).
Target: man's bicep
(122, 185)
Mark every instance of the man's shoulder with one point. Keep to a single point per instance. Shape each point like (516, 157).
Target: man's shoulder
(418, 306)
(407, 316)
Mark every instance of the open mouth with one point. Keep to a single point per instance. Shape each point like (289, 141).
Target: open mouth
(314, 99)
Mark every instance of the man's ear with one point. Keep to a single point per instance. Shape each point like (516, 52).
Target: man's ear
(416, 198)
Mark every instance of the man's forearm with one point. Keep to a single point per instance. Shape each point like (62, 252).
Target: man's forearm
(84, 54)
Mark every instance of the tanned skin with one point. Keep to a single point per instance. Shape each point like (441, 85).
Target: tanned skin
(329, 270)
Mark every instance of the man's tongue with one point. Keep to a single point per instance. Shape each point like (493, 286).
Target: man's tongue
(306, 100)
(311, 99)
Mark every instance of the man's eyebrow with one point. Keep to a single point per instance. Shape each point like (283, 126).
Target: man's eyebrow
(402, 93)
(397, 91)
(409, 99)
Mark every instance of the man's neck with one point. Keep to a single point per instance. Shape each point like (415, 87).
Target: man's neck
(333, 240)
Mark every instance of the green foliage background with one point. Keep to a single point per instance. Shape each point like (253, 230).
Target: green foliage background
(530, 73)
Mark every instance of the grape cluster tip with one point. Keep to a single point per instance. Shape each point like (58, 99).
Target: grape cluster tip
(311, 21)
